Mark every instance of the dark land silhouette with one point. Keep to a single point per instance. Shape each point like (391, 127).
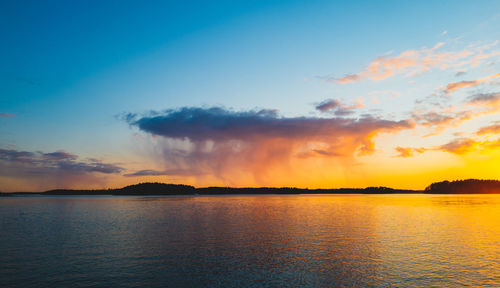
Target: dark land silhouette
(470, 186)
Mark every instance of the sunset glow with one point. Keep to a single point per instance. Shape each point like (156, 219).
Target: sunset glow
(292, 94)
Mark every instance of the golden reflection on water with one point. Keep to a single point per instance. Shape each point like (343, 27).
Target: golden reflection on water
(392, 239)
(452, 238)
(299, 240)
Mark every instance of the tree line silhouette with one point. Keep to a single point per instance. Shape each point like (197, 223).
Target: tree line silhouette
(469, 186)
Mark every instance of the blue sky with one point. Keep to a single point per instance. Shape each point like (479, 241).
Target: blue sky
(70, 69)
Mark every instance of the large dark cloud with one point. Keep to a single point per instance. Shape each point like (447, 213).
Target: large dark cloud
(221, 142)
(218, 124)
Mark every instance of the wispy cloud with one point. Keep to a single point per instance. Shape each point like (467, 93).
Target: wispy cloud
(36, 171)
(458, 146)
(442, 117)
(338, 108)
(484, 103)
(415, 62)
(462, 146)
(328, 105)
(490, 129)
(485, 99)
(150, 172)
(471, 83)
(347, 78)
(39, 162)
(408, 151)
(440, 120)
(6, 115)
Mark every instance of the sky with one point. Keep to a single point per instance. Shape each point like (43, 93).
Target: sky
(318, 94)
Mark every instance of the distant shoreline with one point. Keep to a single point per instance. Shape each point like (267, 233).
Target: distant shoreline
(469, 186)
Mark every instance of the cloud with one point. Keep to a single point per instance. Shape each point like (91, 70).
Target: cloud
(410, 61)
(408, 151)
(220, 142)
(328, 105)
(146, 172)
(471, 83)
(53, 169)
(441, 120)
(479, 58)
(59, 155)
(491, 129)
(338, 108)
(216, 124)
(459, 85)
(459, 146)
(4, 115)
(149, 172)
(462, 146)
(484, 103)
(415, 62)
(347, 79)
(81, 167)
(485, 99)
(48, 162)
(460, 73)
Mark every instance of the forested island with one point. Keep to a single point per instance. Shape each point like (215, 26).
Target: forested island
(470, 186)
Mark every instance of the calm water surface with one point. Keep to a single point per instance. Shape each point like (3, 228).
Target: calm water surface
(250, 241)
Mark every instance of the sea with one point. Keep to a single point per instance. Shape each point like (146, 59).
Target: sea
(250, 241)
